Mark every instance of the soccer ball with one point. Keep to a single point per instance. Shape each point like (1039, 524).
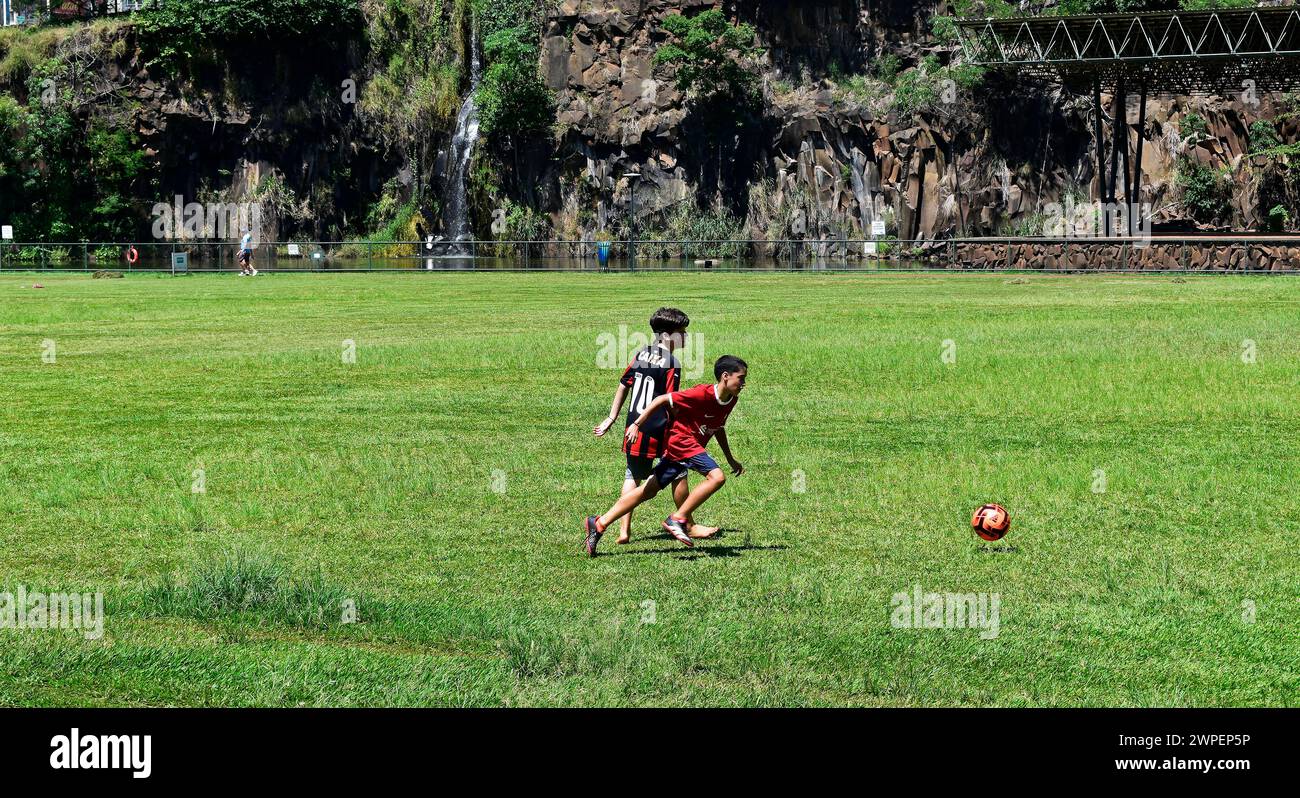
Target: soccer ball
(991, 521)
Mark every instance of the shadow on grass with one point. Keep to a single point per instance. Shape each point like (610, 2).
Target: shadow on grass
(702, 548)
(721, 533)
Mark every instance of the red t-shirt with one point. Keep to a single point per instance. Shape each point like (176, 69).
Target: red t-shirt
(697, 414)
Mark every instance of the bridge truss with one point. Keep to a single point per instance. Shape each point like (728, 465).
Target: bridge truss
(1231, 51)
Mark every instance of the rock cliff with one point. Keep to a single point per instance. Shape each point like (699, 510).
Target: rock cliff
(827, 153)
(985, 161)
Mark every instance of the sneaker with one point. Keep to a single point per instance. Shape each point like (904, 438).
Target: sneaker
(677, 528)
(593, 533)
(253, 273)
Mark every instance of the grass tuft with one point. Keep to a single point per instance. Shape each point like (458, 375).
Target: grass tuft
(247, 584)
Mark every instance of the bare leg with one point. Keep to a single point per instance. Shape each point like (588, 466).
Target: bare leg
(680, 491)
(625, 525)
(625, 504)
(711, 485)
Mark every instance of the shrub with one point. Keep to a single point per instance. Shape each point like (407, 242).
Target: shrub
(415, 70)
(686, 222)
(984, 8)
(177, 29)
(1193, 126)
(708, 52)
(499, 15)
(1206, 193)
(513, 98)
(1279, 219)
(944, 29)
(968, 77)
(887, 67)
(1263, 135)
(917, 89)
(71, 165)
(518, 223)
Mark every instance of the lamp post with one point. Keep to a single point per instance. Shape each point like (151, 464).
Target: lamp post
(634, 178)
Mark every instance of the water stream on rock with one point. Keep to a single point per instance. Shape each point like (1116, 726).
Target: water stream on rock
(455, 216)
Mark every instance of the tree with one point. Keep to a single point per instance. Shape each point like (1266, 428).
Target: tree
(512, 97)
(708, 52)
(708, 55)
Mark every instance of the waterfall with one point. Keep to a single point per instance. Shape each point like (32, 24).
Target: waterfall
(455, 215)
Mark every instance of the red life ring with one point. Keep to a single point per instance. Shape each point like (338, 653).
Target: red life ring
(131, 255)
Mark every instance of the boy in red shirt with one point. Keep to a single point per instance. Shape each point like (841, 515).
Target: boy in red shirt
(653, 372)
(698, 414)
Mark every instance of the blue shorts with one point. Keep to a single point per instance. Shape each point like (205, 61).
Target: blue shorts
(639, 468)
(669, 471)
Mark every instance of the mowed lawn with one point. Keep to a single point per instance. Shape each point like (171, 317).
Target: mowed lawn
(201, 451)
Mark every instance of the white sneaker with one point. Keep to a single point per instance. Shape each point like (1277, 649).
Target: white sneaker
(254, 274)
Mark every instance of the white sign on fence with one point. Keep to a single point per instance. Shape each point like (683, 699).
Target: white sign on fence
(293, 250)
(7, 232)
(869, 248)
(877, 229)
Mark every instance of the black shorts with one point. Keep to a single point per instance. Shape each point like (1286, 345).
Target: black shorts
(639, 468)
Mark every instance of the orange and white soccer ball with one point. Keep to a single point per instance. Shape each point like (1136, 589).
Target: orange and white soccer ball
(991, 521)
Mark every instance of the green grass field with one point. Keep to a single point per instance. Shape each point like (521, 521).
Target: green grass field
(438, 483)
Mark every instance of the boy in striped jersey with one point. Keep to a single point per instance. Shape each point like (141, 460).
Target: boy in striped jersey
(653, 372)
(699, 415)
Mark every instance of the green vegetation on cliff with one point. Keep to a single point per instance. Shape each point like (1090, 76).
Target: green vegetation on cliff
(513, 100)
(71, 166)
(415, 66)
(242, 101)
(712, 62)
(1204, 191)
(708, 54)
(180, 30)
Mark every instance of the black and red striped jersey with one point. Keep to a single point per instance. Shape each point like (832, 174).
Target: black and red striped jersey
(653, 372)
